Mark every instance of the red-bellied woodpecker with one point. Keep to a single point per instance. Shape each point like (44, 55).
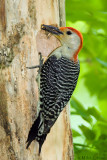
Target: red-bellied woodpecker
(58, 78)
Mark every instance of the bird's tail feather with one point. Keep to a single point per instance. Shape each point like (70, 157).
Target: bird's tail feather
(34, 131)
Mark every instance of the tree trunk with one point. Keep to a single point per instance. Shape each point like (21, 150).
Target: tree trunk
(20, 42)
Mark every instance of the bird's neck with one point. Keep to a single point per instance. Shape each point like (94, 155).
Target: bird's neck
(65, 51)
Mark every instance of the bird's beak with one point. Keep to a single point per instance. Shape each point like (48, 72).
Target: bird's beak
(51, 29)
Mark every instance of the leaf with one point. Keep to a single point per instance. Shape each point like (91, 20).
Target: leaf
(75, 133)
(93, 111)
(102, 62)
(88, 133)
(102, 127)
(80, 110)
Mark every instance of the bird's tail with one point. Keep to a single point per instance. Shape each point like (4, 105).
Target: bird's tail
(36, 132)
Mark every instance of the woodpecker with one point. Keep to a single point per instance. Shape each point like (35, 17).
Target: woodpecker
(58, 79)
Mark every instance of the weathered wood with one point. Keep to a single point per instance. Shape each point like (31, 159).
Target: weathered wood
(62, 12)
(20, 42)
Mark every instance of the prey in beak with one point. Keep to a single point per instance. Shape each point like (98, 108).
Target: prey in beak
(51, 29)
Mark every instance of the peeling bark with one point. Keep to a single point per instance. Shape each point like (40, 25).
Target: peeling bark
(20, 42)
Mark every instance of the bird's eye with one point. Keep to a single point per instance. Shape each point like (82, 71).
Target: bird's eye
(68, 32)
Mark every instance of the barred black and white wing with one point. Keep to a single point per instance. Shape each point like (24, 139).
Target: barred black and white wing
(58, 78)
(57, 83)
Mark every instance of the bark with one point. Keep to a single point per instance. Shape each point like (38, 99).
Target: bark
(20, 42)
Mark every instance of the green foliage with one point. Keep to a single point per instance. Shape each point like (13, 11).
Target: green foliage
(94, 136)
(89, 108)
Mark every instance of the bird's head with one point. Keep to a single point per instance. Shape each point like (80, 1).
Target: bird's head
(68, 36)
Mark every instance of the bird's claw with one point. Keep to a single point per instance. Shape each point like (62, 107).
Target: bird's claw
(40, 63)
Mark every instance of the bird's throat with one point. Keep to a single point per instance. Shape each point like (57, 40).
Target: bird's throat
(65, 51)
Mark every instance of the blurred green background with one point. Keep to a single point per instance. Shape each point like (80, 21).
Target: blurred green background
(89, 101)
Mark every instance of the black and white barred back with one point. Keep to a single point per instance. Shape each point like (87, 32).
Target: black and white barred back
(58, 78)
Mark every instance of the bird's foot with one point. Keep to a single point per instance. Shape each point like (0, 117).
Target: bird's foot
(40, 63)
